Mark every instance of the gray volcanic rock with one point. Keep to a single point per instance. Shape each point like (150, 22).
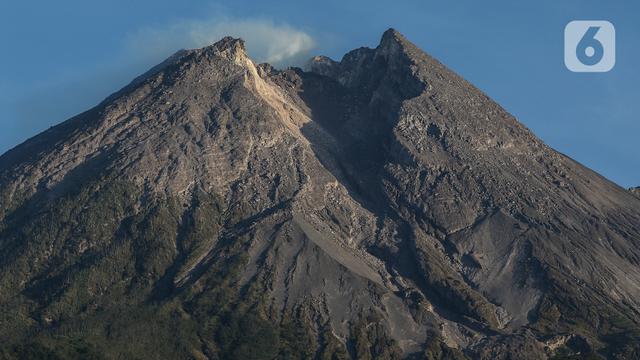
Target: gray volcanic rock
(376, 207)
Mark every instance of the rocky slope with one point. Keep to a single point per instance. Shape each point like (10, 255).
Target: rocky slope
(376, 207)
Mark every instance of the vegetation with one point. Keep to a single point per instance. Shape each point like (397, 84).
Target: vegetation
(103, 275)
(438, 350)
(370, 340)
(605, 330)
(58, 350)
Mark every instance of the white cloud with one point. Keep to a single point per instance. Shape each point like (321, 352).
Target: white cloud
(266, 41)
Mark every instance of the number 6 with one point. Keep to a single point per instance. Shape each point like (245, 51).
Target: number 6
(589, 41)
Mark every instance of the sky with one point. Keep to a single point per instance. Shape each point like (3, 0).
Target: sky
(62, 57)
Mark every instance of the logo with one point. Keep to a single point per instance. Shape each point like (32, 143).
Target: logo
(589, 46)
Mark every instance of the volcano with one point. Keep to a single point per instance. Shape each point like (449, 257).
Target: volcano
(379, 207)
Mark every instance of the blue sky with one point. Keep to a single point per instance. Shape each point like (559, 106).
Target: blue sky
(62, 57)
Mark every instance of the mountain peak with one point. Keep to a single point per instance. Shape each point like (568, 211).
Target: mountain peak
(392, 34)
(230, 46)
(392, 38)
(230, 43)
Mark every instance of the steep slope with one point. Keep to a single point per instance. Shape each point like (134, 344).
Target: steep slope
(376, 207)
(526, 235)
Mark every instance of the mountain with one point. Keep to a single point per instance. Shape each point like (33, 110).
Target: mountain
(635, 190)
(380, 207)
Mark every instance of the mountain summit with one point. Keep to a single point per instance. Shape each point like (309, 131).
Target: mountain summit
(379, 207)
